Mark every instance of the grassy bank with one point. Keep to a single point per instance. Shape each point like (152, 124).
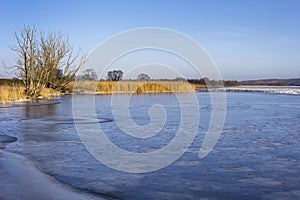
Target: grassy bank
(12, 90)
(14, 93)
(137, 87)
(10, 93)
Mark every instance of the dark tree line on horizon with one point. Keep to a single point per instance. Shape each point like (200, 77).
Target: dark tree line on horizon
(117, 75)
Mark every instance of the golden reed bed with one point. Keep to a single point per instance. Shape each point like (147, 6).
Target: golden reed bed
(138, 87)
(14, 92)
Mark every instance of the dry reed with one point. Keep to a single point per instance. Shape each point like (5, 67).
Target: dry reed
(11, 93)
(15, 92)
(108, 87)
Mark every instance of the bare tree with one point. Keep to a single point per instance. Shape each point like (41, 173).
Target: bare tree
(88, 75)
(58, 61)
(143, 77)
(115, 75)
(180, 79)
(44, 61)
(26, 50)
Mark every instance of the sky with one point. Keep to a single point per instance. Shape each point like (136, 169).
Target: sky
(245, 39)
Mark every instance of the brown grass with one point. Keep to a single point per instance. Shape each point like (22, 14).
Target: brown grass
(14, 92)
(11, 93)
(108, 87)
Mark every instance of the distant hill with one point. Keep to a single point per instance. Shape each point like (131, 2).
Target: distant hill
(288, 82)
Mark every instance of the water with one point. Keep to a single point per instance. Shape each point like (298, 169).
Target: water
(256, 157)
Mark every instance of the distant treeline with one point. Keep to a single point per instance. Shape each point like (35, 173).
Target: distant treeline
(215, 83)
(11, 82)
(230, 83)
(272, 83)
(279, 82)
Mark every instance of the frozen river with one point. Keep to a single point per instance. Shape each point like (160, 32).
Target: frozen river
(256, 157)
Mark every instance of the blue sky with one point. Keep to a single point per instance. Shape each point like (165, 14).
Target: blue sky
(246, 39)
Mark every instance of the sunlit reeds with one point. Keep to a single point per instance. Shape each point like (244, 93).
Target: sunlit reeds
(10, 93)
(108, 87)
(15, 91)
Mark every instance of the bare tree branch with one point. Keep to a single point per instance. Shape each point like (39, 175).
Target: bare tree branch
(44, 61)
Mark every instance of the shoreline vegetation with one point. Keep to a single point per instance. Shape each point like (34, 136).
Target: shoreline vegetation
(13, 90)
(134, 87)
(45, 65)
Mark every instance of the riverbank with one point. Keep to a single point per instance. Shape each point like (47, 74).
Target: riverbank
(134, 87)
(15, 93)
(21, 179)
